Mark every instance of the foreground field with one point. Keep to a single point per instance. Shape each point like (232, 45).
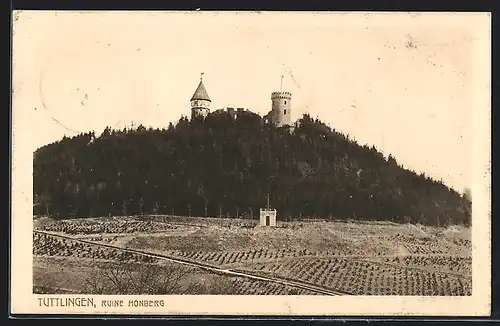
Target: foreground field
(294, 258)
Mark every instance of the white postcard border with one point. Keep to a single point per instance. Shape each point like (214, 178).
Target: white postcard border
(24, 302)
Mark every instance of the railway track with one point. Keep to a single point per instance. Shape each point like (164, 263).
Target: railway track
(211, 268)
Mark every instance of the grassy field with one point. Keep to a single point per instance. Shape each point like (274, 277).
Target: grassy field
(375, 258)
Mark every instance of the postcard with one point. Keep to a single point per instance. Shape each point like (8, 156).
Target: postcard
(251, 163)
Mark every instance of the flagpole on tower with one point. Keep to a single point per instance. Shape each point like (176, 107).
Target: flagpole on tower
(281, 85)
(201, 76)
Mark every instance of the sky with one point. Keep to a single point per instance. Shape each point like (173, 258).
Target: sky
(405, 83)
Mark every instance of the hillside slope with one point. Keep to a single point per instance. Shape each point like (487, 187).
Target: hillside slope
(226, 165)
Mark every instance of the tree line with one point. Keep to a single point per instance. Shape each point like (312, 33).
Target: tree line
(226, 164)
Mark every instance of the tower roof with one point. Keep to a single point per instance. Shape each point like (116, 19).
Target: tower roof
(201, 93)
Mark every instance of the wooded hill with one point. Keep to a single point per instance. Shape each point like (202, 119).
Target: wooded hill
(226, 164)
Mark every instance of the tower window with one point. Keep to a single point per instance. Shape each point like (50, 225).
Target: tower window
(284, 111)
(285, 101)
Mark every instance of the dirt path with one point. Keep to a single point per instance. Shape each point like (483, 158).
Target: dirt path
(121, 239)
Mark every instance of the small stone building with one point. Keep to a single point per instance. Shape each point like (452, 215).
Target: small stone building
(267, 217)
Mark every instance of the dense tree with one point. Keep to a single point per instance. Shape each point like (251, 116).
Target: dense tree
(226, 164)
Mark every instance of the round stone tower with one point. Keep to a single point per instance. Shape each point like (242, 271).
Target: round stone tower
(281, 108)
(200, 101)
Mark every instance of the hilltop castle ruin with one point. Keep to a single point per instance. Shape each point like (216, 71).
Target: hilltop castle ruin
(281, 107)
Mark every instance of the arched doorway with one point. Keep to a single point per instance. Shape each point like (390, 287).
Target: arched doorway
(267, 220)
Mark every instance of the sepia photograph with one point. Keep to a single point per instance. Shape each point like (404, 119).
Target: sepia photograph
(280, 158)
